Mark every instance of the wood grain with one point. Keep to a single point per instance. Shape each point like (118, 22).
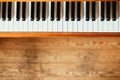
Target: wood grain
(77, 58)
(56, 34)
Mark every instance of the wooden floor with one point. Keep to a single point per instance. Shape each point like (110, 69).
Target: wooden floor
(78, 58)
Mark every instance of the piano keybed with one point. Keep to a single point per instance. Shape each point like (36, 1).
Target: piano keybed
(60, 16)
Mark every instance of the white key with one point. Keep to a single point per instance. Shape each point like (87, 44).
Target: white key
(35, 23)
(119, 17)
(96, 22)
(20, 23)
(101, 26)
(10, 23)
(55, 27)
(70, 23)
(40, 22)
(81, 22)
(25, 23)
(15, 26)
(86, 23)
(45, 25)
(30, 23)
(65, 23)
(49, 18)
(59, 23)
(105, 22)
(90, 22)
(75, 27)
(116, 23)
(5, 23)
(1, 29)
(111, 25)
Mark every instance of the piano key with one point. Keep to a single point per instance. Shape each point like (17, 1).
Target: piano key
(38, 11)
(9, 10)
(65, 22)
(15, 29)
(72, 10)
(118, 16)
(70, 22)
(55, 26)
(52, 11)
(114, 10)
(45, 17)
(5, 19)
(1, 29)
(3, 11)
(32, 11)
(78, 10)
(26, 18)
(100, 22)
(105, 22)
(30, 21)
(58, 11)
(50, 25)
(110, 22)
(18, 11)
(93, 11)
(10, 17)
(102, 10)
(35, 26)
(60, 22)
(85, 27)
(97, 18)
(90, 26)
(20, 22)
(43, 11)
(75, 25)
(67, 6)
(108, 10)
(81, 22)
(116, 21)
(23, 11)
(87, 11)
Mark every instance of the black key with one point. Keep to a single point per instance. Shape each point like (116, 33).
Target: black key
(67, 11)
(78, 10)
(38, 11)
(93, 11)
(4, 11)
(108, 10)
(58, 11)
(72, 11)
(32, 11)
(23, 11)
(52, 10)
(114, 10)
(18, 11)
(102, 10)
(43, 11)
(87, 11)
(9, 10)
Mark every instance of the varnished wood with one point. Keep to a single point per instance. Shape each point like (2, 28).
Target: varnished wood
(54, 34)
(79, 58)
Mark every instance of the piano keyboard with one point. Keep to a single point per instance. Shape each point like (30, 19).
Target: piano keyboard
(58, 16)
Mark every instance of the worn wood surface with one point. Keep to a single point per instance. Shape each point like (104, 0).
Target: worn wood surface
(78, 58)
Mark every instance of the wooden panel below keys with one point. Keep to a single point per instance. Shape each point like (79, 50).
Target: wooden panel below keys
(80, 58)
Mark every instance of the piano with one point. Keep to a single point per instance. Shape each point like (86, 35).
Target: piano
(59, 17)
